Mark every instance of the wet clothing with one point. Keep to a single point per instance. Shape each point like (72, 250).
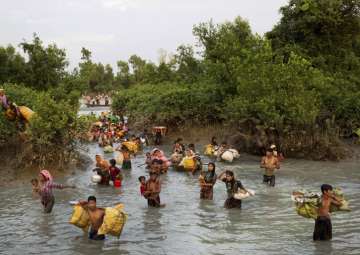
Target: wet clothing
(206, 192)
(154, 202)
(105, 176)
(157, 138)
(231, 189)
(126, 164)
(232, 203)
(114, 172)
(269, 180)
(49, 204)
(142, 189)
(93, 235)
(323, 229)
(47, 196)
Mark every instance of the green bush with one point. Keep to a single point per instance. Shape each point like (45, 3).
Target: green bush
(170, 103)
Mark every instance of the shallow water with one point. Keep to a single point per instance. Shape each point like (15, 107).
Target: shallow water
(267, 223)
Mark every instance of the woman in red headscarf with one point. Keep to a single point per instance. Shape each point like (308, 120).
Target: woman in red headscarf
(45, 191)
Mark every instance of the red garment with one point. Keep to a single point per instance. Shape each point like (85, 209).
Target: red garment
(114, 171)
(142, 189)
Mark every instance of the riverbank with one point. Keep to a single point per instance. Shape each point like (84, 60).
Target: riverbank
(14, 173)
(254, 140)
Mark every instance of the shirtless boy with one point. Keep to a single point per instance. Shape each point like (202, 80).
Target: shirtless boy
(96, 216)
(323, 227)
(153, 189)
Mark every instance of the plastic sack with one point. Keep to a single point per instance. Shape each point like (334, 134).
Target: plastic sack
(80, 218)
(114, 221)
(209, 150)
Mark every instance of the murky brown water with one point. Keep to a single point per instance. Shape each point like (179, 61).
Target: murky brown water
(267, 224)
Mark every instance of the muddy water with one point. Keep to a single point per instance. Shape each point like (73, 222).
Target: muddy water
(267, 224)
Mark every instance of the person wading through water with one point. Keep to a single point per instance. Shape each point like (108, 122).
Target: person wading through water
(207, 181)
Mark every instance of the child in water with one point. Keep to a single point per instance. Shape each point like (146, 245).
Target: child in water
(142, 181)
(115, 172)
(323, 227)
(153, 189)
(35, 186)
(46, 190)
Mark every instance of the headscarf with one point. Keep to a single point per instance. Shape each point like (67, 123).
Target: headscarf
(47, 175)
(161, 156)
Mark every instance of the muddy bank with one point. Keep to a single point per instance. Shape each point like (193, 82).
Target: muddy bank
(254, 139)
(14, 172)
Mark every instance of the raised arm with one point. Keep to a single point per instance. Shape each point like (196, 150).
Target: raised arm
(335, 201)
(262, 164)
(277, 164)
(221, 176)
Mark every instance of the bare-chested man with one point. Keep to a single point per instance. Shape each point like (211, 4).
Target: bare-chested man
(153, 189)
(270, 163)
(96, 216)
(323, 227)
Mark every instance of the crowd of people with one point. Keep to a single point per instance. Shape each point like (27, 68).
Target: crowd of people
(111, 130)
(98, 100)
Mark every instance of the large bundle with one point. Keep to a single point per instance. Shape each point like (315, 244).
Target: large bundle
(114, 221)
(119, 158)
(209, 150)
(307, 203)
(242, 194)
(26, 112)
(108, 149)
(80, 218)
(131, 146)
(189, 163)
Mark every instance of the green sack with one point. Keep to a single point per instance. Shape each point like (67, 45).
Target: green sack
(307, 203)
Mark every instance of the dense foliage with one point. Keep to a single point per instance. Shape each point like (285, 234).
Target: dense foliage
(304, 75)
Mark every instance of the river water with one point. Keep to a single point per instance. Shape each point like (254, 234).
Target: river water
(267, 223)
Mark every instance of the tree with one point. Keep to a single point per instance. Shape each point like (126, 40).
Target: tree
(123, 77)
(188, 67)
(222, 44)
(137, 65)
(325, 32)
(12, 66)
(45, 66)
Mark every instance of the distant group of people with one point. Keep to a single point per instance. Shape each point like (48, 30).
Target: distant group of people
(97, 100)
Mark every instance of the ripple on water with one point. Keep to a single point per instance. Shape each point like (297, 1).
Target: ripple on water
(267, 224)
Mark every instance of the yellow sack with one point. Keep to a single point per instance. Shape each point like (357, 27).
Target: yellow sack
(114, 221)
(188, 163)
(209, 150)
(307, 210)
(344, 203)
(132, 146)
(80, 218)
(26, 112)
(10, 114)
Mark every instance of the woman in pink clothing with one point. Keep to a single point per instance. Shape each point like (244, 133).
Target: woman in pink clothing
(45, 191)
(159, 155)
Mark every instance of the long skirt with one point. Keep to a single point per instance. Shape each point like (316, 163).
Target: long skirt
(206, 193)
(232, 203)
(48, 204)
